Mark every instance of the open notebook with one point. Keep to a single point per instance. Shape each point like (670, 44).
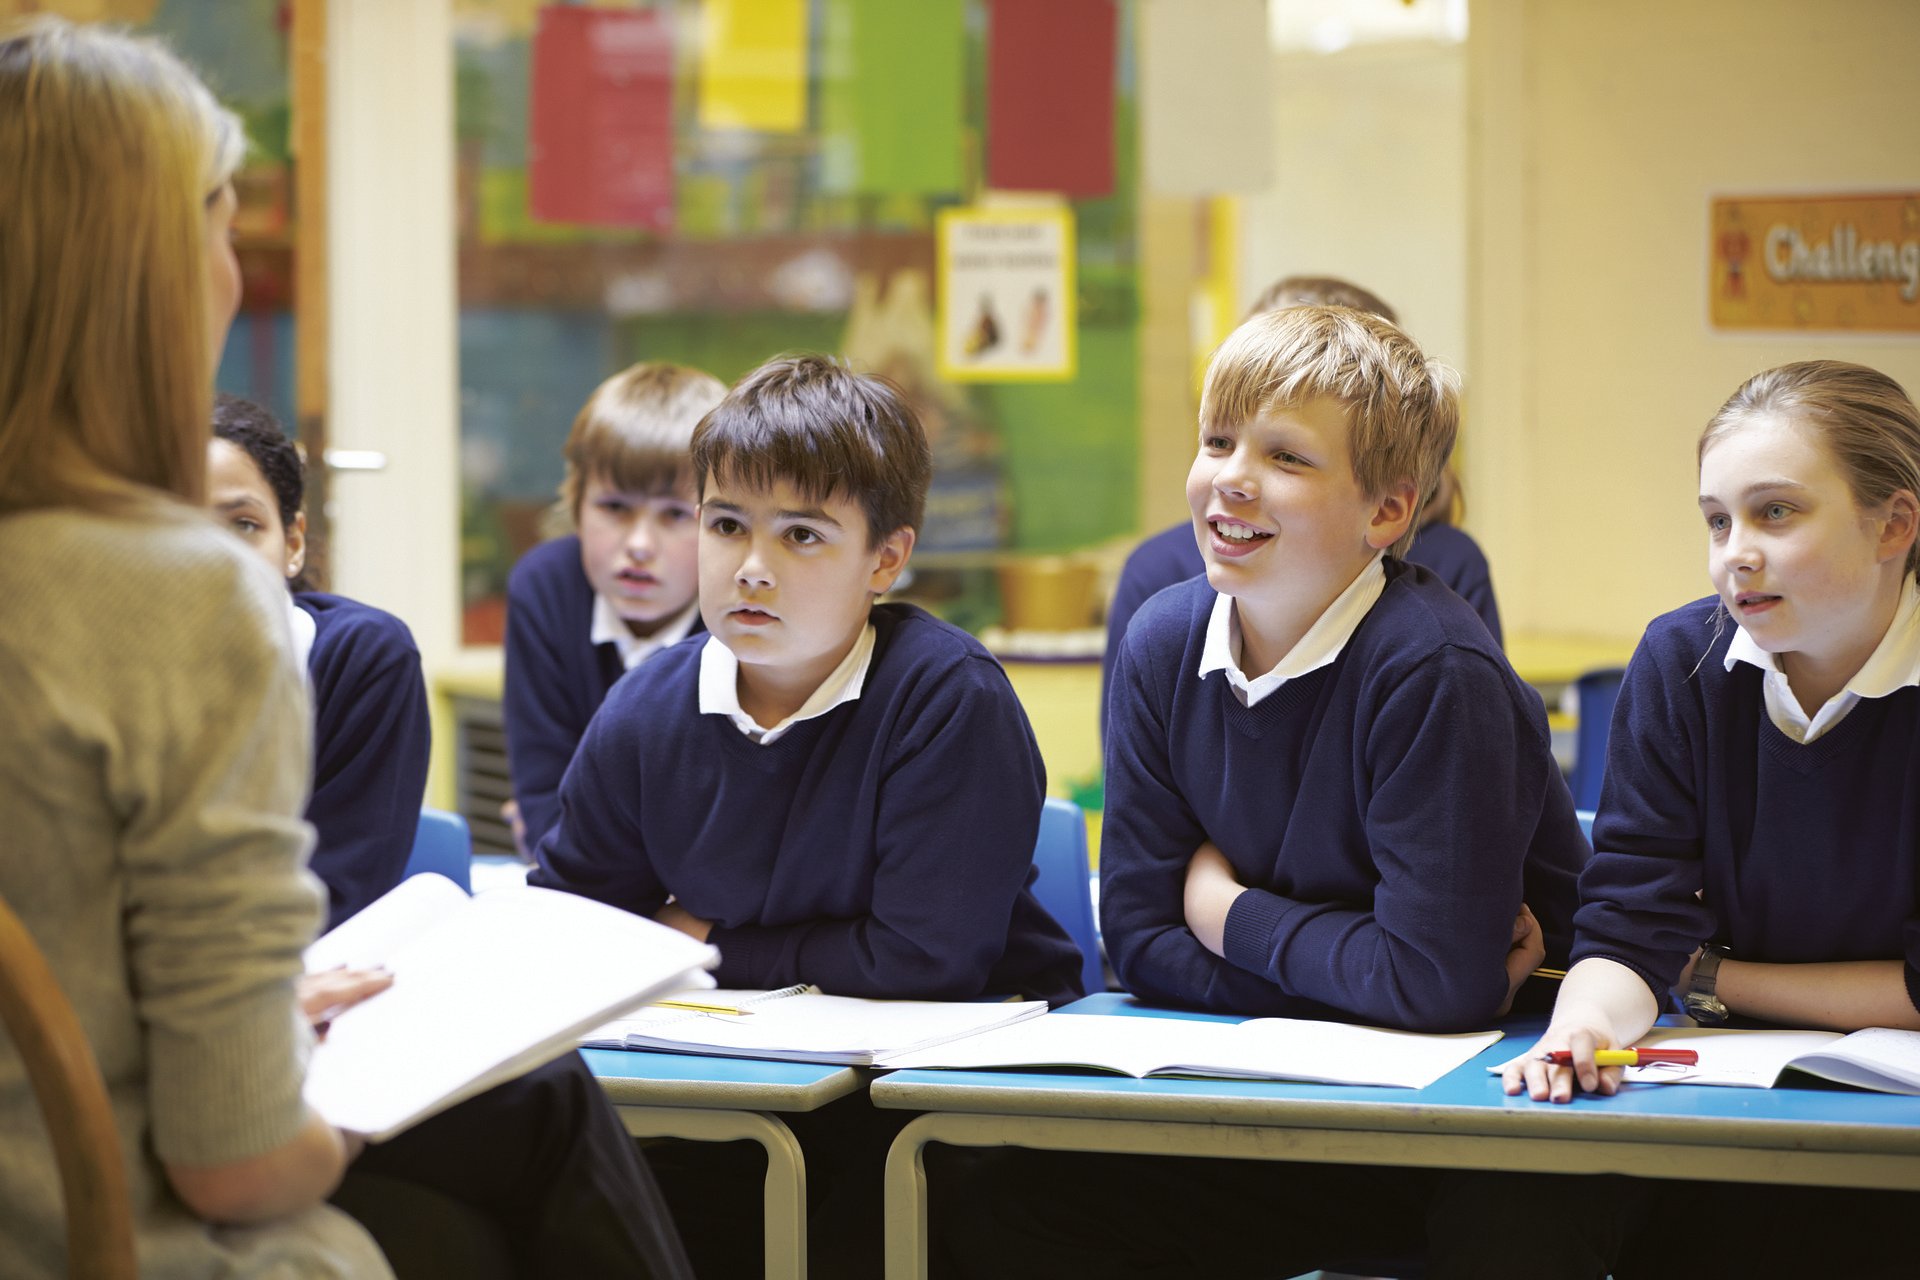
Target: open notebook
(799, 1024)
(1877, 1058)
(484, 990)
(1259, 1049)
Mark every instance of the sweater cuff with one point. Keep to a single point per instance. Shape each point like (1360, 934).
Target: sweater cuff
(741, 964)
(233, 1091)
(1253, 921)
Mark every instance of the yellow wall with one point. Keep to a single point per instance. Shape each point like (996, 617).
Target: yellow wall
(1599, 132)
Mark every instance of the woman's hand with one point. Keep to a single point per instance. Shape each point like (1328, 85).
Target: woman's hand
(324, 996)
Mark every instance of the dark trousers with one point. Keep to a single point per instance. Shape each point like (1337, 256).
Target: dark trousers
(1545, 1227)
(1017, 1213)
(535, 1178)
(716, 1189)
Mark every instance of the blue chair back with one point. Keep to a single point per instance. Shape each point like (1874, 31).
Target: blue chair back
(1586, 823)
(1594, 696)
(443, 846)
(1062, 883)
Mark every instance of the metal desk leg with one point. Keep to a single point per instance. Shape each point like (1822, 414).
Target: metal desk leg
(906, 1201)
(785, 1196)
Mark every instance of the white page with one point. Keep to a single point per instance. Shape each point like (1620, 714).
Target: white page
(388, 923)
(1875, 1058)
(1740, 1059)
(1264, 1048)
(652, 1015)
(506, 982)
(836, 1028)
(1132, 1046)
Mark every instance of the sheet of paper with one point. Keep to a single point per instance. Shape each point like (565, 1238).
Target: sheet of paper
(1875, 1058)
(753, 65)
(837, 1028)
(1741, 1059)
(1050, 82)
(508, 980)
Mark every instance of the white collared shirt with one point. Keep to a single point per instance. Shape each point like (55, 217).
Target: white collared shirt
(304, 630)
(610, 628)
(720, 687)
(1893, 665)
(1320, 645)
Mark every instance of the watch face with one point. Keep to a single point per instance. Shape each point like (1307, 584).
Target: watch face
(1705, 1008)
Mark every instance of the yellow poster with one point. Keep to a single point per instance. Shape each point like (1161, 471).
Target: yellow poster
(753, 65)
(1818, 263)
(1007, 309)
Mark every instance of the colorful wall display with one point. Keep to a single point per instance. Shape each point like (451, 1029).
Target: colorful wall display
(753, 65)
(1006, 299)
(1821, 263)
(1050, 74)
(893, 97)
(600, 124)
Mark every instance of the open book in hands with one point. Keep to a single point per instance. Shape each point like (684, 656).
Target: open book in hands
(484, 990)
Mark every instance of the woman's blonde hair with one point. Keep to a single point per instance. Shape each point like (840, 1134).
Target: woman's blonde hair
(1866, 418)
(110, 149)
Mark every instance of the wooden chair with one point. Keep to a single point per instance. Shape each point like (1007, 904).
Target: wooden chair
(73, 1098)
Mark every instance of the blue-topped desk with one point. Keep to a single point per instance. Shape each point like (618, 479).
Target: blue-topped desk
(1463, 1121)
(713, 1099)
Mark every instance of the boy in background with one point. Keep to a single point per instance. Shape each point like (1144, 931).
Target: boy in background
(585, 609)
(829, 790)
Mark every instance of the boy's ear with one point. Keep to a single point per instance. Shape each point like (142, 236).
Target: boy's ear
(1899, 525)
(1392, 515)
(892, 554)
(297, 544)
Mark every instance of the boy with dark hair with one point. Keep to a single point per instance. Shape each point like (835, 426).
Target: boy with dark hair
(829, 790)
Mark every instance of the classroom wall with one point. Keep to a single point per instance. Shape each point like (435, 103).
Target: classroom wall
(1599, 132)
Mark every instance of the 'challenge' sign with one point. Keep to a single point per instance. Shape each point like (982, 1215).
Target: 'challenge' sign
(1835, 263)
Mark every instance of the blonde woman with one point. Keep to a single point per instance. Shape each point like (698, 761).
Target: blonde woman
(154, 763)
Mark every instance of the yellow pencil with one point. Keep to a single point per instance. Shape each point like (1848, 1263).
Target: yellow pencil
(1555, 974)
(692, 1006)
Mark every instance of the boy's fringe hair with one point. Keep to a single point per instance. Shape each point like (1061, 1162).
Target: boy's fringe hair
(634, 432)
(829, 432)
(1403, 410)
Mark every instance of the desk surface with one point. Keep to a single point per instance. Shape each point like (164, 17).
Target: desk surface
(638, 1078)
(1466, 1102)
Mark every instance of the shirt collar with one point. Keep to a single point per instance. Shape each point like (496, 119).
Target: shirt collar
(1320, 645)
(610, 628)
(720, 687)
(304, 630)
(1893, 665)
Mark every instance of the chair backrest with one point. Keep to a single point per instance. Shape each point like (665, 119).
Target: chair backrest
(66, 1080)
(442, 845)
(1062, 885)
(1594, 696)
(1586, 823)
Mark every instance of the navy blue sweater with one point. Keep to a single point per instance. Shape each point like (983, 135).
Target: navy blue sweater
(556, 677)
(1172, 556)
(881, 849)
(1804, 852)
(1389, 812)
(370, 744)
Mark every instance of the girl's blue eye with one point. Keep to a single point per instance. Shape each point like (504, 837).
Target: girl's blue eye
(1286, 459)
(1777, 511)
(1718, 523)
(1215, 442)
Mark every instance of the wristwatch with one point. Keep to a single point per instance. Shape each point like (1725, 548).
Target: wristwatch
(1700, 1001)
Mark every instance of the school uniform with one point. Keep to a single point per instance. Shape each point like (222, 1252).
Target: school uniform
(1730, 816)
(1387, 794)
(1803, 850)
(879, 846)
(565, 648)
(878, 842)
(1172, 555)
(371, 742)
